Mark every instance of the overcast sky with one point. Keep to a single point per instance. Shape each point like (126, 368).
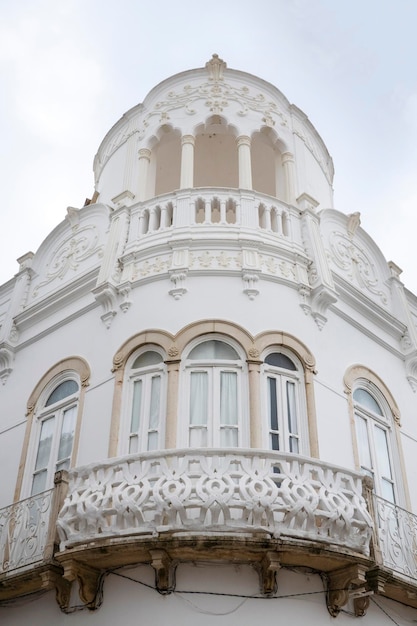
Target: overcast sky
(69, 69)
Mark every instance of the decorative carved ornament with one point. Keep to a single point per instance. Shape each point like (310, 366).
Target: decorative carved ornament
(211, 490)
(216, 94)
(69, 254)
(313, 146)
(356, 264)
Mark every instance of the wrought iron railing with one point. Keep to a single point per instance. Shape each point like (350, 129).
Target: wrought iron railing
(28, 529)
(397, 537)
(203, 491)
(24, 531)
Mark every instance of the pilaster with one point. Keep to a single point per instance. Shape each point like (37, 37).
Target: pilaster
(409, 340)
(322, 293)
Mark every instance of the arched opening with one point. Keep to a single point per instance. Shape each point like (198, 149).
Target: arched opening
(166, 158)
(267, 174)
(145, 402)
(215, 155)
(212, 384)
(284, 402)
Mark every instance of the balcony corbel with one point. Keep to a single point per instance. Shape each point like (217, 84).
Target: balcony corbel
(62, 587)
(164, 568)
(342, 584)
(269, 568)
(89, 581)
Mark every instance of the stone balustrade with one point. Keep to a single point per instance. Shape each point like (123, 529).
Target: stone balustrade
(208, 207)
(205, 491)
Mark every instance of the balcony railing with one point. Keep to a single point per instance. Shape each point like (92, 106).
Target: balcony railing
(216, 491)
(24, 532)
(185, 492)
(397, 535)
(208, 207)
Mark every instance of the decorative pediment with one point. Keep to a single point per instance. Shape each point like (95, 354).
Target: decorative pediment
(354, 257)
(74, 248)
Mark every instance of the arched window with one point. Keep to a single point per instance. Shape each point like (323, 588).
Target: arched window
(147, 391)
(213, 392)
(285, 403)
(373, 434)
(56, 417)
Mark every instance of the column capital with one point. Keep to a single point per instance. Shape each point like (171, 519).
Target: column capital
(286, 157)
(243, 140)
(187, 139)
(144, 153)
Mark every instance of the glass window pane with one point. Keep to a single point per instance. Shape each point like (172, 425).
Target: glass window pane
(45, 443)
(39, 482)
(382, 454)
(363, 397)
(228, 398)
(62, 465)
(155, 402)
(229, 437)
(294, 447)
(280, 360)
(198, 437)
(387, 490)
(274, 441)
(212, 350)
(136, 405)
(272, 404)
(199, 398)
(65, 389)
(153, 440)
(133, 444)
(291, 409)
(363, 443)
(147, 359)
(67, 433)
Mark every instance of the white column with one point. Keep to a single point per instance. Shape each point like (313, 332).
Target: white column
(152, 220)
(223, 211)
(288, 165)
(244, 159)
(144, 160)
(187, 161)
(207, 212)
(268, 225)
(164, 216)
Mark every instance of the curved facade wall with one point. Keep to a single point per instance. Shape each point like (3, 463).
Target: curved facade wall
(208, 365)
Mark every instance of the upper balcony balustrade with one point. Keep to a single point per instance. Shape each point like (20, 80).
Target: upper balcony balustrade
(223, 212)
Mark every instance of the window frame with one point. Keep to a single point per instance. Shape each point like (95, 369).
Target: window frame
(373, 421)
(145, 374)
(42, 414)
(283, 376)
(214, 368)
(361, 376)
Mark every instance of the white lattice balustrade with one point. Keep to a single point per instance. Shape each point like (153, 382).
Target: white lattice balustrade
(206, 491)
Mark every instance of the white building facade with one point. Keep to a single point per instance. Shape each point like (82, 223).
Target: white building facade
(209, 376)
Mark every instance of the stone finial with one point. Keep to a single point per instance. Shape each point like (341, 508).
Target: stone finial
(215, 68)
